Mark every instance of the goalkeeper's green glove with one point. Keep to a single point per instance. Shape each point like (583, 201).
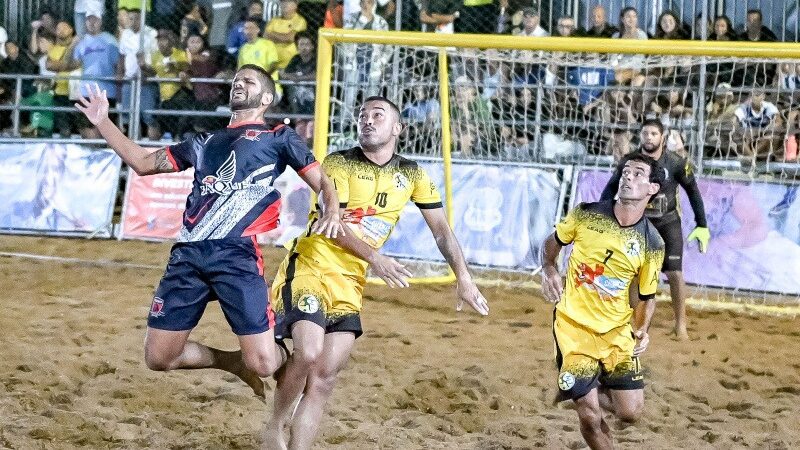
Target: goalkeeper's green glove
(702, 235)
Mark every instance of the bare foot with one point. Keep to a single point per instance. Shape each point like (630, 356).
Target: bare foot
(680, 334)
(273, 437)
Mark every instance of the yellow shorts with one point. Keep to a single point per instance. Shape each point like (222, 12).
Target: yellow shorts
(303, 290)
(586, 359)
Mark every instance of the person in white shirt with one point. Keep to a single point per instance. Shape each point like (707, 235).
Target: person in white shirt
(757, 126)
(531, 25)
(132, 56)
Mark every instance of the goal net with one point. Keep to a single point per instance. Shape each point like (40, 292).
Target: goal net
(554, 114)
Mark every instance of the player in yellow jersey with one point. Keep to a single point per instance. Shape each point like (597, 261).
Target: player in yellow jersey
(318, 287)
(597, 350)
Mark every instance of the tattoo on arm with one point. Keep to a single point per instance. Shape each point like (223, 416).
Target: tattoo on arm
(162, 163)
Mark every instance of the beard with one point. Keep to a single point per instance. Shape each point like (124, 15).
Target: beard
(650, 148)
(247, 102)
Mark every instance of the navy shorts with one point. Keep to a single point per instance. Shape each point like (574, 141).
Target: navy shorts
(230, 270)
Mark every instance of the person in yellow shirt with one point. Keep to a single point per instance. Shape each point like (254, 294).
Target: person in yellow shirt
(257, 51)
(167, 62)
(58, 61)
(318, 288)
(282, 29)
(597, 349)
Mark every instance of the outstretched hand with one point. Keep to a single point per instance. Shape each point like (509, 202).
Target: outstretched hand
(552, 284)
(390, 271)
(329, 225)
(469, 293)
(642, 341)
(95, 108)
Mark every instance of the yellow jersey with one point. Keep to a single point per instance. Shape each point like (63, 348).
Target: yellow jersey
(55, 54)
(280, 25)
(373, 197)
(262, 53)
(177, 61)
(606, 257)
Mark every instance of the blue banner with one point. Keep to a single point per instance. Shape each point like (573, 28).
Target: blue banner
(755, 233)
(57, 189)
(502, 215)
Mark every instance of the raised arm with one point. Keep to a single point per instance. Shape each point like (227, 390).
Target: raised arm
(610, 191)
(142, 161)
(451, 250)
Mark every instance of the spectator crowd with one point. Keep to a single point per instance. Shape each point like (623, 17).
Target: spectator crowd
(180, 53)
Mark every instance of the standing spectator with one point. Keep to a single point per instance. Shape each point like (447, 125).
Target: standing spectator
(45, 22)
(16, 62)
(600, 27)
(439, 15)
(123, 22)
(257, 50)
(167, 62)
(57, 60)
(41, 123)
(236, 36)
(85, 8)
(669, 26)
(755, 30)
(758, 122)
(531, 25)
(207, 96)
(96, 54)
(363, 64)
(281, 30)
(132, 56)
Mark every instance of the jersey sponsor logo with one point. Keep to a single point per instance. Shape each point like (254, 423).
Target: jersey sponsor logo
(355, 215)
(366, 177)
(606, 287)
(253, 135)
(400, 181)
(157, 307)
(632, 248)
(308, 304)
(222, 182)
(595, 229)
(566, 381)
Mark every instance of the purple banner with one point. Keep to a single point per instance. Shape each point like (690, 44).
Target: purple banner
(755, 233)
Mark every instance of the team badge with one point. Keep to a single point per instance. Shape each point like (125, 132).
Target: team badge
(308, 304)
(157, 307)
(253, 135)
(565, 381)
(632, 248)
(222, 181)
(400, 181)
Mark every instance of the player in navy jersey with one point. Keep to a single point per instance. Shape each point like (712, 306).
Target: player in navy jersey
(216, 256)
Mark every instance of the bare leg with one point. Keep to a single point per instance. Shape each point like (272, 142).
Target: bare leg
(319, 387)
(308, 339)
(628, 405)
(169, 350)
(594, 428)
(677, 290)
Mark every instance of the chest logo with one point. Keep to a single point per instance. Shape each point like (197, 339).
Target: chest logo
(632, 248)
(252, 135)
(400, 181)
(222, 182)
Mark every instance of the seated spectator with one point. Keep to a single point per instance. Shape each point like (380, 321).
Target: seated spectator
(788, 83)
(674, 110)
(334, 14)
(439, 15)
(46, 22)
(755, 30)
(16, 62)
(41, 123)
(421, 108)
(591, 82)
(195, 22)
(123, 22)
(565, 27)
(281, 30)
(207, 96)
(302, 67)
(629, 67)
(721, 122)
(531, 25)
(257, 50)
(168, 61)
(669, 26)
(723, 30)
(471, 117)
(495, 77)
(46, 41)
(600, 27)
(757, 126)
(236, 36)
(85, 8)
(96, 54)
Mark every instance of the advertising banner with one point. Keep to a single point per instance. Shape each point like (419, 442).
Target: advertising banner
(57, 189)
(502, 215)
(755, 233)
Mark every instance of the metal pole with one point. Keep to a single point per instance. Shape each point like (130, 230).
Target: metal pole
(17, 100)
(537, 134)
(396, 57)
(137, 84)
(700, 113)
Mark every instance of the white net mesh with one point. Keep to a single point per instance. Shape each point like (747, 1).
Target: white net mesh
(736, 119)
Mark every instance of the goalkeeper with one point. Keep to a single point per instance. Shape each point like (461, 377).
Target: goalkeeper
(663, 211)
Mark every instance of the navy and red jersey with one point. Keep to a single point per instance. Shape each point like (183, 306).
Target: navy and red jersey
(234, 168)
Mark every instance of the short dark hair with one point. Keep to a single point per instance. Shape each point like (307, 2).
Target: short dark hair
(256, 20)
(266, 78)
(755, 11)
(380, 98)
(305, 35)
(46, 34)
(653, 123)
(656, 173)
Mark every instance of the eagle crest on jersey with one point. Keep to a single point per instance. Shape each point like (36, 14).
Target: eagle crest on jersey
(221, 183)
